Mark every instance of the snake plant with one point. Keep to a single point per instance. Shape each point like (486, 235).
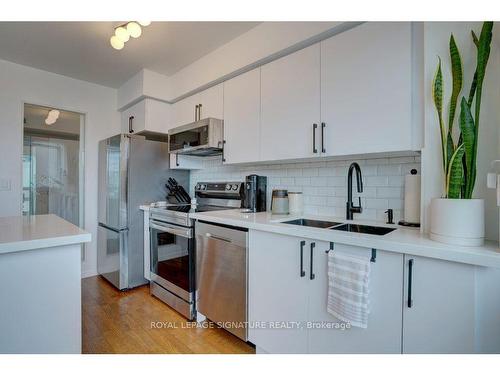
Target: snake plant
(459, 158)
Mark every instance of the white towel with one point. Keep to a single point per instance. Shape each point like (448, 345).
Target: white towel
(348, 288)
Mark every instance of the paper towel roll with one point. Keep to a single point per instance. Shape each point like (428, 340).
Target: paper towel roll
(412, 198)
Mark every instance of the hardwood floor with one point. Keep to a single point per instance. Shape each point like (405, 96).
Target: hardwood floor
(121, 322)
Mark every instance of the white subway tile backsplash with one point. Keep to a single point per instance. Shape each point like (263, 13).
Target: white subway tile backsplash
(376, 180)
(389, 170)
(377, 203)
(324, 184)
(389, 192)
(310, 171)
(318, 181)
(337, 181)
(303, 181)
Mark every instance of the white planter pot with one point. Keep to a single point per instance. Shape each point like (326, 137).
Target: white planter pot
(457, 221)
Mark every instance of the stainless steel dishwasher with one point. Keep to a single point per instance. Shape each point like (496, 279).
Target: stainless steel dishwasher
(221, 275)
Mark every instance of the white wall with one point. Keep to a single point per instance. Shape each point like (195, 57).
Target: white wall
(436, 38)
(23, 84)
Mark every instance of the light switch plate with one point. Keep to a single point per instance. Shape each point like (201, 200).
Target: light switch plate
(5, 184)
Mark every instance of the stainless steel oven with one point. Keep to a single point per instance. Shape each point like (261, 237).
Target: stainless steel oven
(172, 265)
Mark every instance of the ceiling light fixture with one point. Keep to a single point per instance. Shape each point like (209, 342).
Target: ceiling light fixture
(52, 116)
(134, 29)
(124, 32)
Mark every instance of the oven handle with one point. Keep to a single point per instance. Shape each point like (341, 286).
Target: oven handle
(178, 231)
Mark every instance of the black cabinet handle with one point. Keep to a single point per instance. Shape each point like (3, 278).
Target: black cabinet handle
(311, 273)
(199, 111)
(315, 150)
(410, 280)
(177, 160)
(323, 126)
(130, 128)
(302, 272)
(223, 147)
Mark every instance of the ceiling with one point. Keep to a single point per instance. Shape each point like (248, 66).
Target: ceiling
(81, 49)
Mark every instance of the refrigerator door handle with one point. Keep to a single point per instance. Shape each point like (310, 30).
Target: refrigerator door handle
(111, 228)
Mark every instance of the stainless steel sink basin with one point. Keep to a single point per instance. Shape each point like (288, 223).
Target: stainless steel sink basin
(368, 229)
(312, 223)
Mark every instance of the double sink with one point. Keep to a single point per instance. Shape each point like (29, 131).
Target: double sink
(357, 228)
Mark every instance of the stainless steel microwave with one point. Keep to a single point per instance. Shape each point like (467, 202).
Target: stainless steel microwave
(201, 138)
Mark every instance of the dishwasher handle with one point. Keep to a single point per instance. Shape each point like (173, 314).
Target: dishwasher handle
(210, 235)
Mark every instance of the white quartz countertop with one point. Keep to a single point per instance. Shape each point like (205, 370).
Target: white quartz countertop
(19, 233)
(402, 240)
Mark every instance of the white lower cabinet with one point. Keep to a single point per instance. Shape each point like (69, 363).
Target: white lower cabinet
(284, 292)
(440, 317)
(383, 334)
(277, 294)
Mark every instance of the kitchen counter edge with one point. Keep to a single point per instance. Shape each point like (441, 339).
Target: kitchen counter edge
(403, 240)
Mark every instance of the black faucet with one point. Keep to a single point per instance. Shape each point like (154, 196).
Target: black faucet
(350, 207)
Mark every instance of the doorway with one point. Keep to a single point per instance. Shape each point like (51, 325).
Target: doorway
(53, 163)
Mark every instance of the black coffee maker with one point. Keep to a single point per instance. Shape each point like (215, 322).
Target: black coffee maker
(254, 193)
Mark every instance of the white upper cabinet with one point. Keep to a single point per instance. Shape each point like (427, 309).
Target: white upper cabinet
(211, 102)
(366, 89)
(383, 334)
(147, 115)
(242, 118)
(290, 104)
(439, 307)
(208, 103)
(185, 111)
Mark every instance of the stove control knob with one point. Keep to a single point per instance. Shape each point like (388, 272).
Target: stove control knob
(228, 187)
(198, 187)
(203, 187)
(235, 187)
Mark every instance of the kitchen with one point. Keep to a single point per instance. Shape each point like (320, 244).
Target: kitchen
(285, 197)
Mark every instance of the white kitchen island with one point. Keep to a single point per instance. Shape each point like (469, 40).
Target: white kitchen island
(40, 284)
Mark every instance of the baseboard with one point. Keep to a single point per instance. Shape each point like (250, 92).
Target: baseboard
(88, 273)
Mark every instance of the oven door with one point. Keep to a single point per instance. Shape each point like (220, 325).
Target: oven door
(172, 258)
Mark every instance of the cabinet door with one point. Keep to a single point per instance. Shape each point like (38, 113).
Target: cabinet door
(158, 116)
(212, 102)
(383, 334)
(242, 118)
(276, 292)
(290, 103)
(134, 118)
(440, 317)
(184, 111)
(366, 89)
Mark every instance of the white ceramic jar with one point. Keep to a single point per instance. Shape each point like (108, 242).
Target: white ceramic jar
(295, 202)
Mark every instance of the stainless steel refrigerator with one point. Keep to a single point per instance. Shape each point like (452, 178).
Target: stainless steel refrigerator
(132, 172)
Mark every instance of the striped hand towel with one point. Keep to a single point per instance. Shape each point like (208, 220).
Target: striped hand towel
(348, 288)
